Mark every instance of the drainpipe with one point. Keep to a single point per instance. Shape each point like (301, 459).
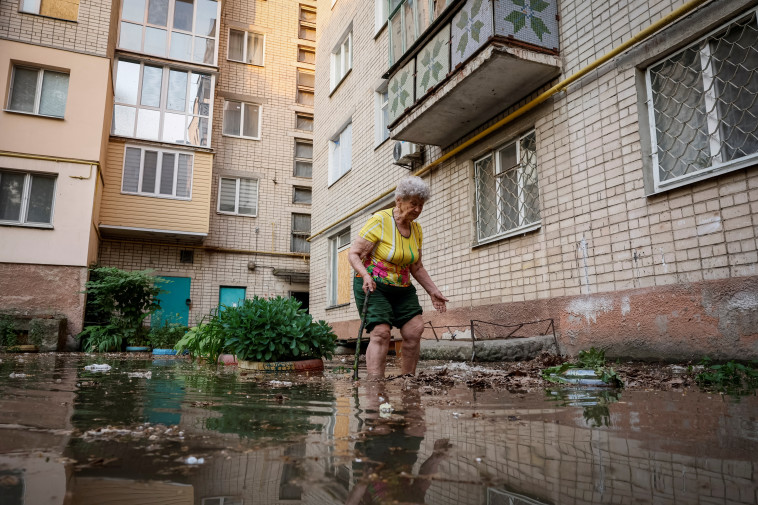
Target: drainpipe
(303, 256)
(562, 85)
(96, 164)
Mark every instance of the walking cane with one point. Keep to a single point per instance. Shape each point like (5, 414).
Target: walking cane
(360, 334)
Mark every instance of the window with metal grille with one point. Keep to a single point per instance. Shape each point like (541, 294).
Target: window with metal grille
(507, 197)
(307, 23)
(340, 280)
(238, 196)
(703, 106)
(303, 158)
(301, 195)
(304, 121)
(301, 230)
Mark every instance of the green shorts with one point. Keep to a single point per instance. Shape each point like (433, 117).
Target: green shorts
(393, 305)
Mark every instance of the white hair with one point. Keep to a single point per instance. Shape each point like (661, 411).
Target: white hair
(411, 186)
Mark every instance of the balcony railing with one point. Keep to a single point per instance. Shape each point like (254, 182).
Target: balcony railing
(512, 45)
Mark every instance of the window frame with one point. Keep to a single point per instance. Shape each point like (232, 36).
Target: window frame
(170, 30)
(302, 23)
(301, 159)
(245, 48)
(301, 88)
(163, 102)
(332, 283)
(304, 115)
(37, 92)
(713, 122)
(242, 120)
(381, 128)
(498, 172)
(307, 189)
(335, 173)
(39, 7)
(26, 198)
(341, 61)
(238, 186)
(299, 233)
(433, 14)
(158, 172)
(306, 49)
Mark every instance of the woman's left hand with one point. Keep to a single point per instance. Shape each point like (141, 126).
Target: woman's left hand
(439, 301)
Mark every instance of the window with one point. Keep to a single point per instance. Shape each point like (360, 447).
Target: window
(380, 15)
(340, 154)
(60, 9)
(507, 198)
(306, 55)
(26, 198)
(152, 172)
(303, 158)
(342, 60)
(304, 121)
(238, 196)
(161, 103)
(301, 195)
(184, 30)
(382, 132)
(307, 23)
(704, 114)
(246, 47)
(340, 279)
(305, 82)
(301, 230)
(38, 91)
(408, 19)
(242, 119)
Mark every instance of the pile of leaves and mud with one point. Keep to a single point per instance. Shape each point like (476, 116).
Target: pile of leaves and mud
(530, 375)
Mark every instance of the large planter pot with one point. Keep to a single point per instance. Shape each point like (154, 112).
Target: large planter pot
(164, 352)
(227, 359)
(137, 348)
(305, 365)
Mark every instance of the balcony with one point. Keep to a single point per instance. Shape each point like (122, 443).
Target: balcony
(478, 58)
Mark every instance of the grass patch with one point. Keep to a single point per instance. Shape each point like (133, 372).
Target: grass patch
(731, 377)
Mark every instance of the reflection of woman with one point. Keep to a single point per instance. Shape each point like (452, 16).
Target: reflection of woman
(385, 255)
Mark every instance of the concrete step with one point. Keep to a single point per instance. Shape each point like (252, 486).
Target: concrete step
(513, 349)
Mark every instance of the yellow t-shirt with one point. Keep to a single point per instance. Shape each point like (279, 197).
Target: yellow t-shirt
(393, 254)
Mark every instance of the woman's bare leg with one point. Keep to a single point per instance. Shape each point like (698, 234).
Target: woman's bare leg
(376, 354)
(411, 332)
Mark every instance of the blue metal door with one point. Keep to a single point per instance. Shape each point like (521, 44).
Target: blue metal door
(230, 297)
(174, 305)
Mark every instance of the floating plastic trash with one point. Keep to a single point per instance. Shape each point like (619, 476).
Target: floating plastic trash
(192, 460)
(385, 409)
(582, 376)
(98, 368)
(17, 375)
(140, 375)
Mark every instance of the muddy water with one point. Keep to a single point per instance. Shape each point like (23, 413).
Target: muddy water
(166, 431)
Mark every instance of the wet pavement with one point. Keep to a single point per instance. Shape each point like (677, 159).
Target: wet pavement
(168, 431)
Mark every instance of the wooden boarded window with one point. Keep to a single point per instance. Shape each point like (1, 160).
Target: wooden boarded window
(60, 9)
(340, 284)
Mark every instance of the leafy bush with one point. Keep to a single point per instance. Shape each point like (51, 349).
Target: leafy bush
(117, 304)
(8, 335)
(36, 332)
(732, 378)
(274, 329)
(593, 359)
(165, 333)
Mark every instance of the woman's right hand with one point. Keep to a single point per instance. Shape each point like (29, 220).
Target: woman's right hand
(368, 283)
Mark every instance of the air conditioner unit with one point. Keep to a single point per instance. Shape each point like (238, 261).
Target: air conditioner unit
(406, 152)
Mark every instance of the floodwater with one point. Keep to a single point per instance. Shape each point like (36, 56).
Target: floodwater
(167, 431)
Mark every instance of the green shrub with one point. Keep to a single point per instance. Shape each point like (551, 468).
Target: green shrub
(117, 304)
(206, 340)
(732, 378)
(165, 333)
(8, 335)
(36, 332)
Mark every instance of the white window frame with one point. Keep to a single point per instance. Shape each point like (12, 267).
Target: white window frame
(341, 60)
(498, 170)
(170, 30)
(337, 244)
(163, 105)
(340, 162)
(381, 116)
(380, 15)
(158, 172)
(242, 120)
(713, 123)
(300, 159)
(245, 48)
(25, 199)
(238, 185)
(38, 91)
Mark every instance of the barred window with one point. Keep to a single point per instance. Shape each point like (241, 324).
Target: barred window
(507, 197)
(704, 114)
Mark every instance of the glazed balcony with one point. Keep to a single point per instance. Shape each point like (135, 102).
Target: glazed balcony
(476, 59)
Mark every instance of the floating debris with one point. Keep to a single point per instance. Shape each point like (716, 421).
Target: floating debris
(98, 368)
(140, 375)
(14, 375)
(192, 460)
(281, 384)
(385, 410)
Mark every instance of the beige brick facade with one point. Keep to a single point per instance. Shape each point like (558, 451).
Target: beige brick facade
(601, 230)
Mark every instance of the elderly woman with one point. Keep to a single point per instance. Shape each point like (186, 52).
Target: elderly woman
(384, 256)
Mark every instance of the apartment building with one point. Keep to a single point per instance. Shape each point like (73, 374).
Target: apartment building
(55, 77)
(592, 164)
(170, 135)
(210, 150)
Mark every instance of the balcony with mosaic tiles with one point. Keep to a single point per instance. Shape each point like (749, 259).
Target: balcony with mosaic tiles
(471, 60)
